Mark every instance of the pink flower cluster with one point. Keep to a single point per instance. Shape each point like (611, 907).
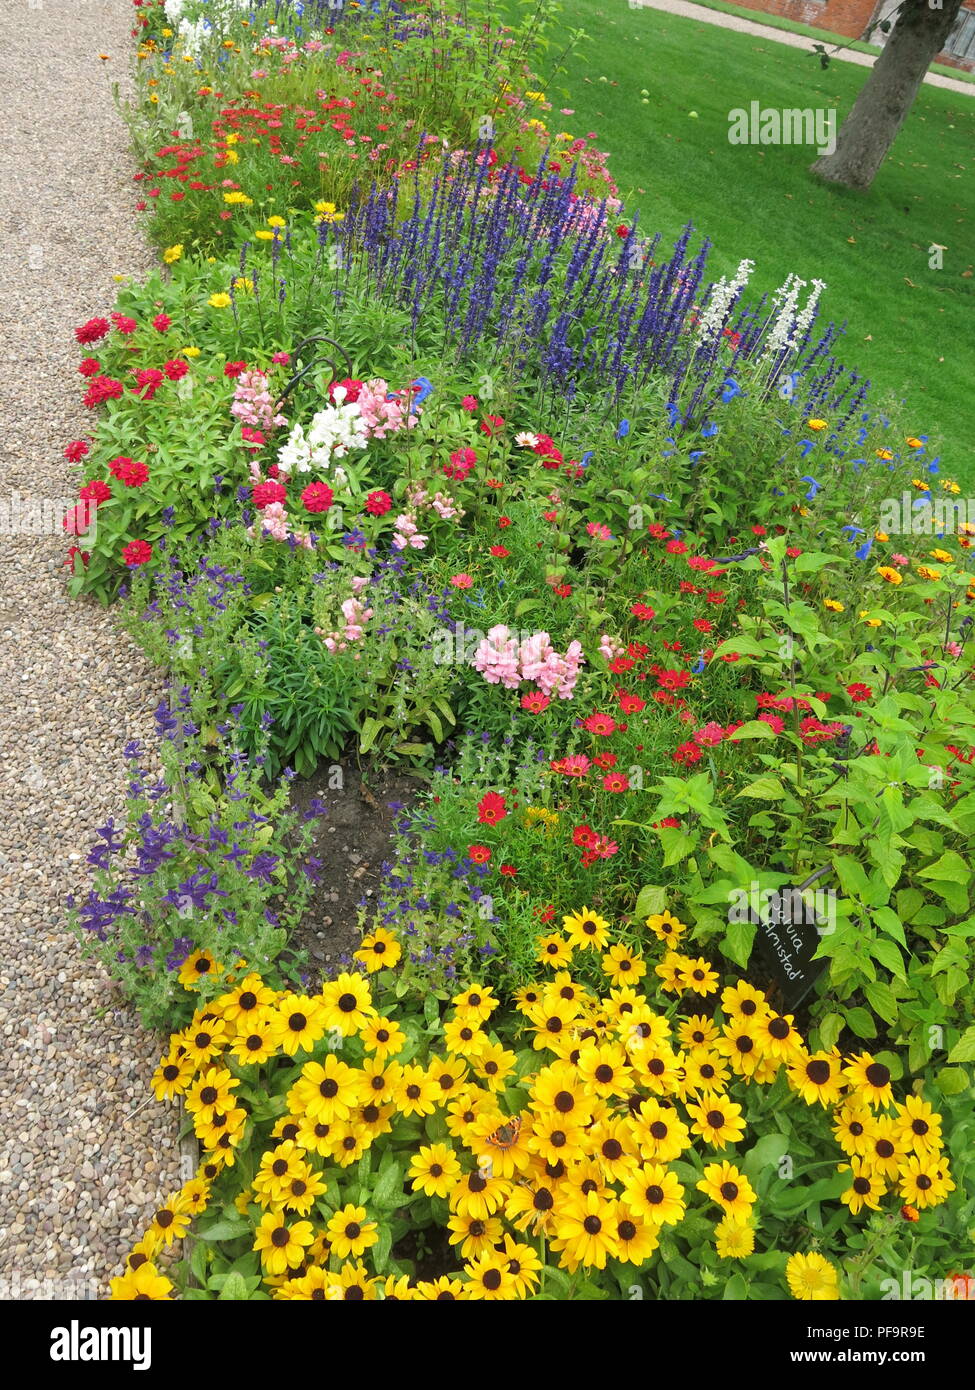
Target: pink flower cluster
(382, 411)
(252, 403)
(502, 659)
(356, 615)
(275, 525)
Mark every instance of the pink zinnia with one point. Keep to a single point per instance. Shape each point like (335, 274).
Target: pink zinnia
(468, 403)
(536, 702)
(461, 581)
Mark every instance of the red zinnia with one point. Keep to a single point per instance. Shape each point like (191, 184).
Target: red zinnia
(176, 368)
(89, 366)
(508, 870)
(631, 704)
(352, 388)
(161, 322)
(584, 837)
(76, 451)
(92, 331)
(124, 325)
(643, 611)
(501, 552)
(491, 424)
(597, 723)
(129, 471)
(266, 493)
(616, 782)
(378, 503)
(96, 491)
(137, 553)
(536, 702)
(317, 497)
(478, 854)
(858, 691)
(234, 369)
(491, 808)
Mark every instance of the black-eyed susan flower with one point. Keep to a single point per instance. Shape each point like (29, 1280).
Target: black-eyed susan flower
(248, 998)
(475, 1004)
(383, 1036)
(524, 1266)
(347, 1004)
(728, 1186)
(220, 1128)
(654, 1193)
(697, 1031)
(476, 1235)
(354, 1283)
(818, 1077)
(327, 1090)
(378, 1081)
(701, 977)
(298, 1023)
(623, 965)
(811, 1278)
(563, 986)
(212, 1090)
(173, 1075)
(315, 1286)
(603, 1069)
(778, 1036)
(350, 1233)
(920, 1125)
(144, 1282)
(379, 950)
(434, 1170)
(478, 1194)
(636, 1237)
(666, 927)
(658, 1131)
(734, 1240)
(854, 1127)
(554, 950)
(277, 1167)
(866, 1187)
(464, 1109)
(530, 1205)
(869, 1079)
(349, 1143)
(704, 1072)
(373, 1120)
(447, 1289)
(204, 1038)
(560, 1089)
(487, 1278)
(717, 1120)
(585, 1230)
(464, 1037)
(396, 1288)
(744, 1001)
(172, 1220)
(494, 1064)
(923, 1180)
(499, 1143)
(740, 1044)
(526, 997)
(198, 967)
(658, 1070)
(886, 1148)
(586, 929)
(552, 1021)
(614, 1147)
(255, 1041)
(416, 1093)
(302, 1190)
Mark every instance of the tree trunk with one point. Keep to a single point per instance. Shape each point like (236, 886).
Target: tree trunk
(888, 94)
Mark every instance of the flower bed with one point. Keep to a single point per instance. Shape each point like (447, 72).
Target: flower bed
(447, 466)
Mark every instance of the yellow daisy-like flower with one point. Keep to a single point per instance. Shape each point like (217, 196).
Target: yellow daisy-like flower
(585, 1228)
(298, 1023)
(211, 1091)
(854, 1126)
(379, 950)
(476, 1004)
(145, 1282)
(728, 1186)
(926, 572)
(327, 1090)
(942, 556)
(717, 1121)
(347, 1004)
(446, 1289)
(658, 1131)
(256, 1037)
(248, 997)
(603, 1068)
(890, 575)
(219, 301)
(913, 443)
(699, 1030)
(204, 1038)
(263, 234)
(383, 1036)
(172, 253)
(173, 1075)
(488, 1278)
(623, 966)
(812, 1278)
(778, 1037)
(494, 1064)
(701, 977)
(816, 424)
(475, 1235)
(435, 1170)
(587, 929)
(705, 1073)
(416, 1093)
(349, 1232)
(869, 1079)
(886, 1148)
(920, 1125)
(923, 1180)
(172, 1220)
(833, 605)
(881, 536)
(199, 966)
(654, 1193)
(237, 198)
(554, 950)
(866, 1187)
(818, 1078)
(666, 927)
(734, 1240)
(884, 454)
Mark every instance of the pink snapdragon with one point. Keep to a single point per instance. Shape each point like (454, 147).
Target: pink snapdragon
(252, 403)
(408, 533)
(384, 412)
(502, 660)
(609, 648)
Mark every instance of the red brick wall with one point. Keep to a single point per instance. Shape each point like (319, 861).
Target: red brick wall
(847, 17)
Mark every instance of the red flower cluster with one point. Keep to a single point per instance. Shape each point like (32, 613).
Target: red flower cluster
(129, 472)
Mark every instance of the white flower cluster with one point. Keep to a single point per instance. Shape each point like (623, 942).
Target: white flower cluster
(331, 434)
(791, 322)
(193, 32)
(723, 297)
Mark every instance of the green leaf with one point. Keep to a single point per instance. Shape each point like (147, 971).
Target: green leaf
(951, 1081)
(371, 729)
(861, 1022)
(829, 1030)
(737, 942)
(881, 999)
(889, 955)
(388, 1191)
(753, 728)
(226, 1227)
(765, 1154)
(764, 789)
(651, 899)
(234, 1289)
(964, 1048)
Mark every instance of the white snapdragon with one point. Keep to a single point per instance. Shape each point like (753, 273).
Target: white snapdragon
(723, 297)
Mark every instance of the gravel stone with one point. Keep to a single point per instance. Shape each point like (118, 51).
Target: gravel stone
(75, 1062)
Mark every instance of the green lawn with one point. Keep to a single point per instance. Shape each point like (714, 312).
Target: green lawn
(909, 328)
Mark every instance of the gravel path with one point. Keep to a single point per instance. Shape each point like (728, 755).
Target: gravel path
(766, 31)
(80, 1175)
